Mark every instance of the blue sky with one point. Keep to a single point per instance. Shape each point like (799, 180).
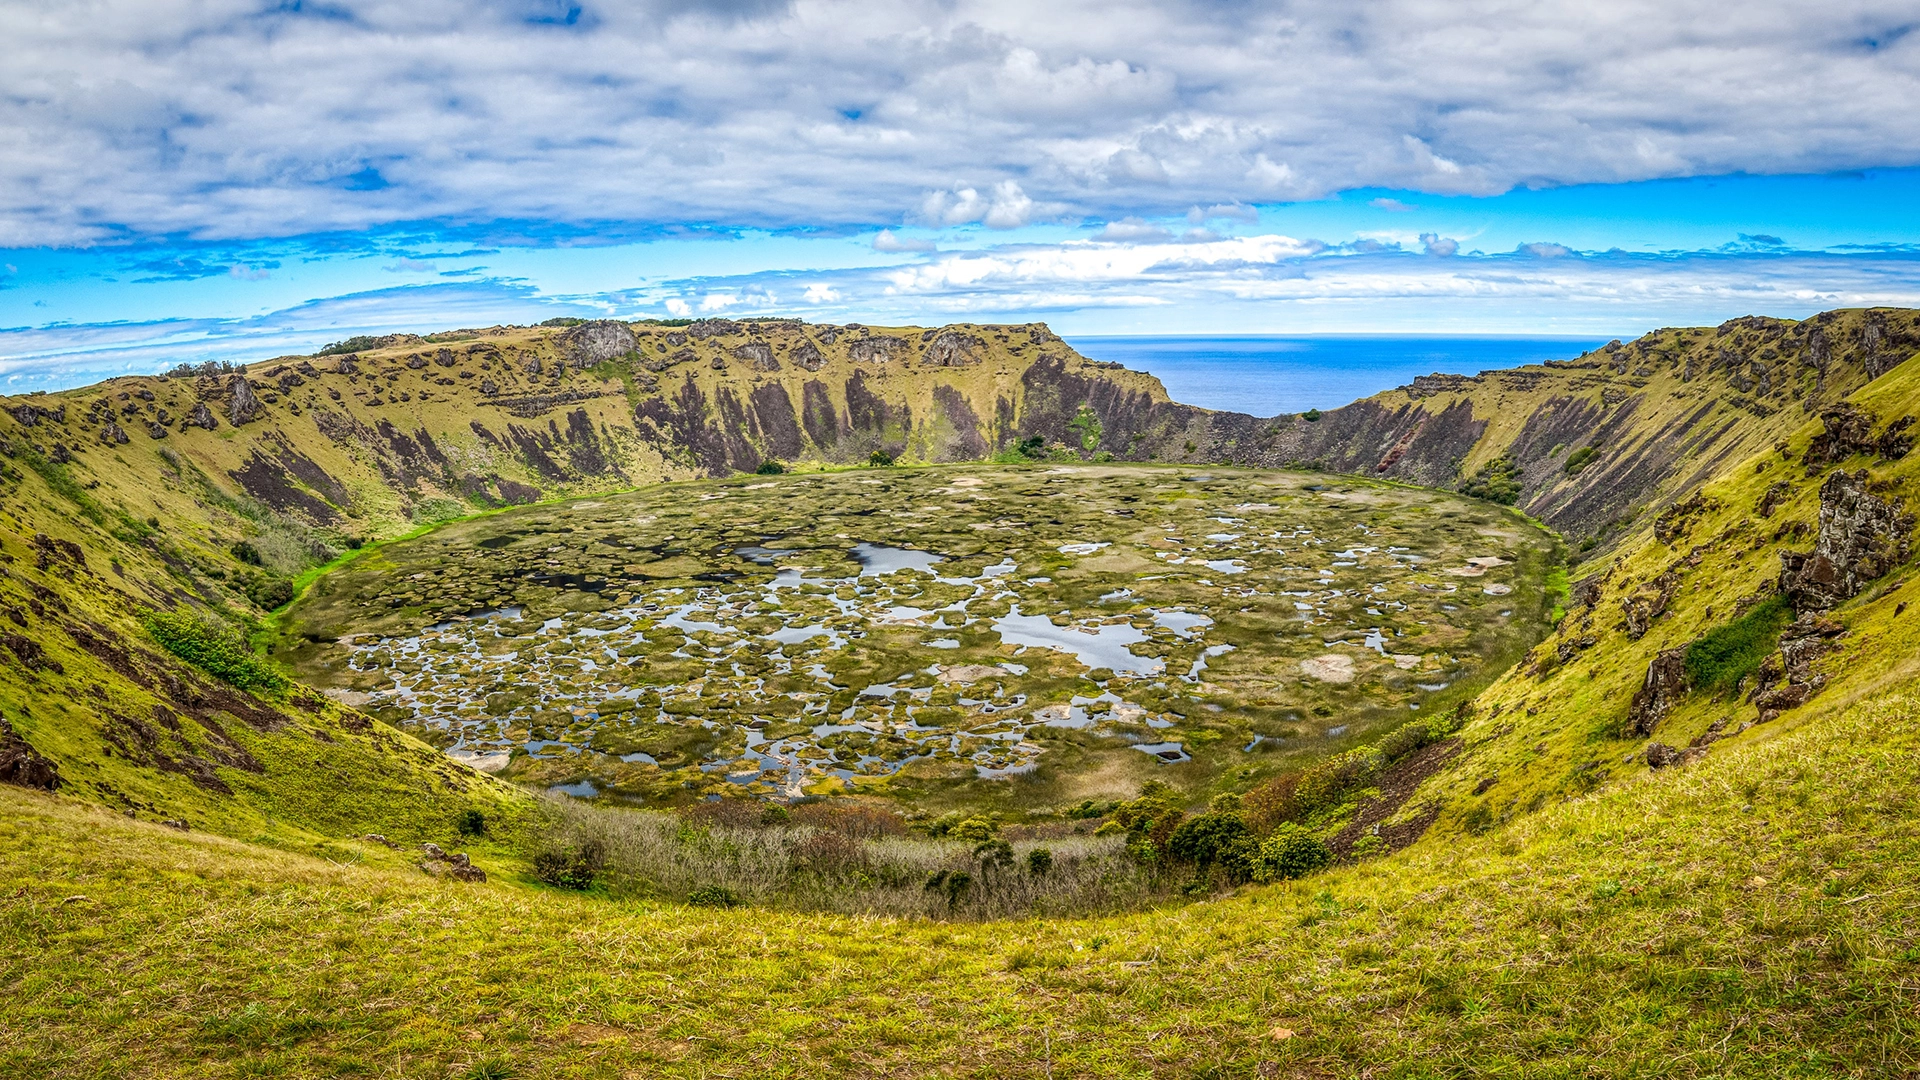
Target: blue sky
(236, 179)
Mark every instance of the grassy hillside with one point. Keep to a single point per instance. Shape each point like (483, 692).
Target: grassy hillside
(1749, 916)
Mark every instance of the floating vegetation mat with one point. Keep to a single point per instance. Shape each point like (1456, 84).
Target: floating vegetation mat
(955, 634)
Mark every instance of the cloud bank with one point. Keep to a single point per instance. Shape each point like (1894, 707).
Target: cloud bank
(254, 118)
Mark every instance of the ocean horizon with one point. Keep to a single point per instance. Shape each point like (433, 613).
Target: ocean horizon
(1267, 375)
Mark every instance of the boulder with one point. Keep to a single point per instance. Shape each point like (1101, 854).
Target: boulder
(22, 765)
(809, 356)
(1861, 537)
(597, 341)
(952, 348)
(111, 432)
(242, 405)
(1666, 681)
(1848, 431)
(759, 353)
(203, 417)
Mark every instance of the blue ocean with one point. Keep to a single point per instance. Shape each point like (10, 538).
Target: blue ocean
(1267, 376)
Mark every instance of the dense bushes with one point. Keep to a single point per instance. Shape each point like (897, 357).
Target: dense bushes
(1496, 481)
(1723, 656)
(215, 648)
(1291, 852)
(573, 866)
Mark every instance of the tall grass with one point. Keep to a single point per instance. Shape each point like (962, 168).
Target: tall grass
(844, 868)
(1723, 656)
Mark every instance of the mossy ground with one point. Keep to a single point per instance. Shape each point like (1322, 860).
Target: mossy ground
(860, 630)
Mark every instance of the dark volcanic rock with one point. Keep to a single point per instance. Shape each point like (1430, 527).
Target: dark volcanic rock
(1849, 431)
(1861, 537)
(809, 356)
(242, 406)
(22, 765)
(759, 353)
(1666, 681)
(203, 417)
(593, 342)
(951, 348)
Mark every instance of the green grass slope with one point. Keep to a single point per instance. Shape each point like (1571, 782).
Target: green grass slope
(1749, 916)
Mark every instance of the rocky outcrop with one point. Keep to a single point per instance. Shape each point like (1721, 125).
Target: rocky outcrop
(454, 865)
(757, 353)
(202, 417)
(1801, 644)
(242, 405)
(1861, 537)
(593, 342)
(22, 765)
(1665, 684)
(809, 356)
(951, 348)
(876, 350)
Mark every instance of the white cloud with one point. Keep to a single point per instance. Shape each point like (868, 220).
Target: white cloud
(679, 308)
(1394, 206)
(887, 241)
(1005, 207)
(821, 293)
(1133, 230)
(718, 301)
(228, 119)
(1544, 250)
(1437, 245)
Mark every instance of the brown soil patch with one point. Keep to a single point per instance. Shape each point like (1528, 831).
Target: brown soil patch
(1397, 785)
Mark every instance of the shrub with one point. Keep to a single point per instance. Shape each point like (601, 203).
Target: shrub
(1325, 783)
(1723, 656)
(713, 896)
(351, 345)
(1039, 862)
(829, 853)
(563, 320)
(1202, 840)
(571, 868)
(1311, 416)
(994, 855)
(880, 458)
(1496, 481)
(1291, 852)
(1581, 458)
(1367, 847)
(270, 592)
(775, 814)
(770, 467)
(215, 648)
(471, 822)
(952, 883)
(245, 552)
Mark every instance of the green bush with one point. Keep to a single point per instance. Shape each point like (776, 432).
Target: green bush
(1581, 458)
(880, 458)
(1039, 862)
(245, 552)
(1496, 481)
(1291, 852)
(713, 896)
(270, 592)
(1367, 847)
(770, 467)
(1205, 838)
(1723, 656)
(351, 345)
(994, 855)
(471, 822)
(215, 648)
(571, 868)
(1311, 416)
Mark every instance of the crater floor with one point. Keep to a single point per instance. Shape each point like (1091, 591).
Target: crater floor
(954, 635)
